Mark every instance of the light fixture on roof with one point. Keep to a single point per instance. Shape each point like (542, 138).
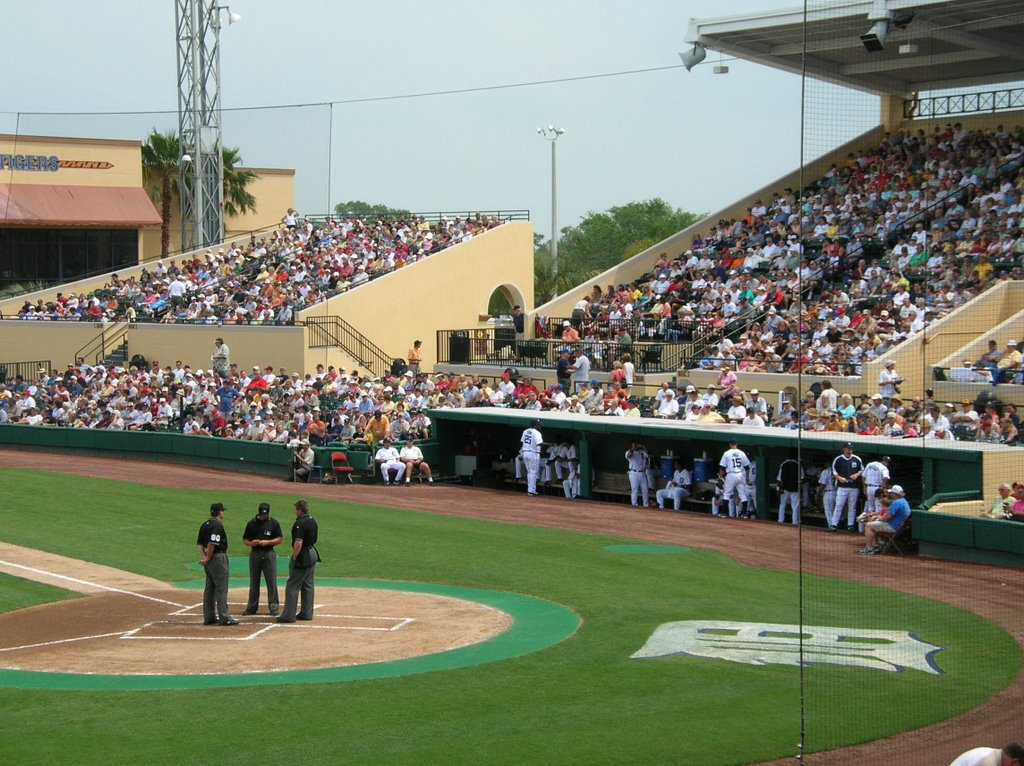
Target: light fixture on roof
(693, 56)
(874, 39)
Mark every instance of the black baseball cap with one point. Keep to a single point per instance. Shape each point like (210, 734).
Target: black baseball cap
(848, 445)
(216, 508)
(263, 509)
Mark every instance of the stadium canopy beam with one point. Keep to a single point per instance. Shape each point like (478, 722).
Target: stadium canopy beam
(939, 44)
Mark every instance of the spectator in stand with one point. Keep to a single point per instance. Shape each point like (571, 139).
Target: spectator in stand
(1002, 506)
(1008, 364)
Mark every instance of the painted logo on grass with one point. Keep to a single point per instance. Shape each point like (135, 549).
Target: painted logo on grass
(762, 643)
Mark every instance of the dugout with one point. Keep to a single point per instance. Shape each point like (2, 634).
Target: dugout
(491, 435)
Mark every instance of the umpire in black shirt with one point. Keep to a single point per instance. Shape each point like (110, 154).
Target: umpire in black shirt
(213, 551)
(301, 566)
(262, 535)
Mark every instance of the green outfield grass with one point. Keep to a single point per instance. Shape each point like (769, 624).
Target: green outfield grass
(582, 701)
(16, 593)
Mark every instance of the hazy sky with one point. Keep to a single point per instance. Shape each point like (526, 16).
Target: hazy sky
(696, 139)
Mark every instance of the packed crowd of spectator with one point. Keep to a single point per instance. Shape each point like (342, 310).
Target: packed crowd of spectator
(334, 406)
(267, 279)
(884, 244)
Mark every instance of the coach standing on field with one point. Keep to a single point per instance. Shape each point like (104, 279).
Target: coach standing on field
(213, 551)
(847, 470)
(301, 566)
(262, 535)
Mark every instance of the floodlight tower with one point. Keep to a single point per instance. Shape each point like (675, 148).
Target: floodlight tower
(200, 159)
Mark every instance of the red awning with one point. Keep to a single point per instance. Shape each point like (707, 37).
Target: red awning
(76, 206)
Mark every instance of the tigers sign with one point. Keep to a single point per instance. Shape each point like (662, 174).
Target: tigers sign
(761, 643)
(48, 164)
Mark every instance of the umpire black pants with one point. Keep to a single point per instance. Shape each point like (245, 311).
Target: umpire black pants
(300, 582)
(262, 566)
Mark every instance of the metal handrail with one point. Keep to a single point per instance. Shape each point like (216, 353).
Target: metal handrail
(437, 216)
(499, 347)
(333, 331)
(1005, 99)
(27, 370)
(99, 345)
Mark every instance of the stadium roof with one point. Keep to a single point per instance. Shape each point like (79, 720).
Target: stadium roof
(959, 43)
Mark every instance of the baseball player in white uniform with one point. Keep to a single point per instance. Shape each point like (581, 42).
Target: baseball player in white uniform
(876, 476)
(736, 465)
(719, 487)
(678, 488)
(827, 489)
(569, 465)
(531, 441)
(387, 459)
(639, 461)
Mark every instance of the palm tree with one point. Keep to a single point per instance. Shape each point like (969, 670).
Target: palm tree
(160, 171)
(237, 197)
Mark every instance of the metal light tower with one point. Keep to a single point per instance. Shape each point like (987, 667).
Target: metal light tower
(551, 134)
(200, 160)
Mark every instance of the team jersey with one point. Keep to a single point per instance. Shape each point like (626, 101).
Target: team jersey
(212, 533)
(638, 460)
(789, 475)
(531, 440)
(876, 474)
(734, 461)
(847, 466)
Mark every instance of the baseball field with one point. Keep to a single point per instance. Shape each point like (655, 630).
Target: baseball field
(551, 633)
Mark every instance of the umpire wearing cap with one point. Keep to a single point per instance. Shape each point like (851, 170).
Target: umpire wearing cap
(213, 551)
(304, 559)
(262, 534)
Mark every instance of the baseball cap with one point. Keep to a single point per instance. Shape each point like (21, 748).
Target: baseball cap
(896, 489)
(216, 508)
(848, 445)
(886, 459)
(263, 509)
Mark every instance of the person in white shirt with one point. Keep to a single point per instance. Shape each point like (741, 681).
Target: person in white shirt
(736, 465)
(639, 461)
(888, 380)
(412, 457)
(1010, 755)
(388, 460)
(678, 488)
(753, 419)
(531, 441)
(737, 412)
(580, 370)
(669, 407)
(758, 402)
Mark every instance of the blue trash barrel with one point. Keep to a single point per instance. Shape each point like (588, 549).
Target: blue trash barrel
(703, 469)
(668, 466)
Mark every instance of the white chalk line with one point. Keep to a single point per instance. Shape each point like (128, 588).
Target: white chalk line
(61, 641)
(99, 586)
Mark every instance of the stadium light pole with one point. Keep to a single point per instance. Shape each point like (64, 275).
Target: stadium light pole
(551, 134)
(201, 179)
